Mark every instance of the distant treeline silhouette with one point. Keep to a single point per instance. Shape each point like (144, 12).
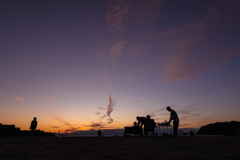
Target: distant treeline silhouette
(221, 128)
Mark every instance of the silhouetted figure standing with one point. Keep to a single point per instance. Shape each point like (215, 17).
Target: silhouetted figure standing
(33, 125)
(191, 133)
(99, 133)
(141, 122)
(174, 117)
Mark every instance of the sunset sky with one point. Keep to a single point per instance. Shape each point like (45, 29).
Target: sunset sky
(59, 59)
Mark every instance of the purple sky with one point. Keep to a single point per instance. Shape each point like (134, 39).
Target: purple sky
(59, 59)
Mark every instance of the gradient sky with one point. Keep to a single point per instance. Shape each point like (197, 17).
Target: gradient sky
(60, 58)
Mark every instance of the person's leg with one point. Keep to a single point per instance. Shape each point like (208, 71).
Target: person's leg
(32, 132)
(141, 133)
(175, 128)
(145, 132)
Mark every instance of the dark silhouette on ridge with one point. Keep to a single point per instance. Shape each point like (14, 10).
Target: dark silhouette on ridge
(12, 131)
(220, 128)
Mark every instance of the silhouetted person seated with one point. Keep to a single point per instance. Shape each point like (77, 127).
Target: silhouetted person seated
(174, 117)
(135, 126)
(100, 133)
(33, 126)
(149, 125)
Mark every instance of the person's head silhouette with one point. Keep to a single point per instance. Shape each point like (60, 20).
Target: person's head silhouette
(169, 109)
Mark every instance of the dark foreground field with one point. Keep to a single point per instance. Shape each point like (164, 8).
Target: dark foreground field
(116, 148)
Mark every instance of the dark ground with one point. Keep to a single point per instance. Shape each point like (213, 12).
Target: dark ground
(119, 148)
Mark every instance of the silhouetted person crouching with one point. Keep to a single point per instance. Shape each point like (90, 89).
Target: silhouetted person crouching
(174, 117)
(33, 125)
(141, 122)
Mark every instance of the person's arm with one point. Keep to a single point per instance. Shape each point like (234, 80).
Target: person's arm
(171, 118)
(30, 126)
(138, 123)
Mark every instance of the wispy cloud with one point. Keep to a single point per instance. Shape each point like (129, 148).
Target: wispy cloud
(176, 90)
(46, 98)
(57, 118)
(101, 108)
(62, 121)
(110, 107)
(94, 125)
(52, 112)
(98, 113)
(132, 76)
(213, 87)
(115, 14)
(189, 59)
(10, 80)
(97, 125)
(187, 65)
(72, 129)
(19, 99)
(158, 112)
(55, 126)
(102, 117)
(109, 110)
(137, 101)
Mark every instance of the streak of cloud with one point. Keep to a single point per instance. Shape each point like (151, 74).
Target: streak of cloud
(132, 76)
(57, 118)
(137, 101)
(144, 113)
(98, 113)
(186, 62)
(46, 98)
(209, 89)
(110, 108)
(19, 99)
(231, 82)
(117, 10)
(10, 80)
(102, 117)
(101, 108)
(95, 125)
(72, 129)
(55, 126)
(176, 90)
(52, 112)
(62, 121)
(156, 112)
